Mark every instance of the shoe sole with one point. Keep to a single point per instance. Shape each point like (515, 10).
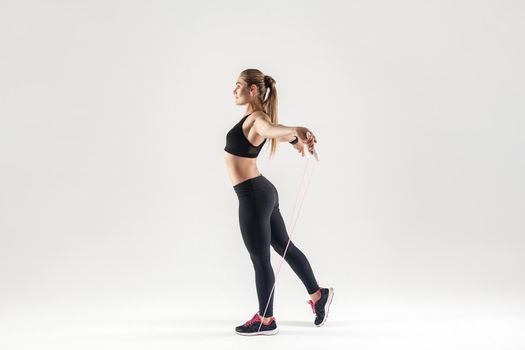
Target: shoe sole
(272, 332)
(327, 306)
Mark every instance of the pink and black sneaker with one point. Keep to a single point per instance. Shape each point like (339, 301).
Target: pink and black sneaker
(321, 306)
(251, 327)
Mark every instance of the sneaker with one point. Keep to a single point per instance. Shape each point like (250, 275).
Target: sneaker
(321, 306)
(251, 327)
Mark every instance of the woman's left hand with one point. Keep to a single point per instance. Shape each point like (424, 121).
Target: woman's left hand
(306, 137)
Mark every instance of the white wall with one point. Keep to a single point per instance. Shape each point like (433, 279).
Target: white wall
(113, 122)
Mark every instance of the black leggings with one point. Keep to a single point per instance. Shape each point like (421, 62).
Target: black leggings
(262, 225)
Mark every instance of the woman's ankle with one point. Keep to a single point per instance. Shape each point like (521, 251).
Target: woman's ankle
(316, 296)
(266, 320)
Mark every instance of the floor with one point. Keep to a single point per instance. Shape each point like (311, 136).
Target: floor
(364, 324)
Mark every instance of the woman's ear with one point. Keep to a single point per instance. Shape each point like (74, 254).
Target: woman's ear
(253, 90)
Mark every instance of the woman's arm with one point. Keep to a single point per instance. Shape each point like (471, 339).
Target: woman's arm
(273, 131)
(286, 138)
(278, 131)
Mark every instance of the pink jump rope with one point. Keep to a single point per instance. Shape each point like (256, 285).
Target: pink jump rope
(316, 156)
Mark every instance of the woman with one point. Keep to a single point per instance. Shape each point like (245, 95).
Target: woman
(260, 220)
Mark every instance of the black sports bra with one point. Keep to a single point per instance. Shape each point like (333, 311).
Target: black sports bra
(237, 143)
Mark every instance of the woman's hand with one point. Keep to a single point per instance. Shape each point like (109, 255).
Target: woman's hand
(306, 137)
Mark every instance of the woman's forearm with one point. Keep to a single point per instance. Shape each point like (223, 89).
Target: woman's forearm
(286, 138)
(280, 131)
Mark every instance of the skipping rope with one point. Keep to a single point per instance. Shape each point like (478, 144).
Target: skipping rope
(316, 157)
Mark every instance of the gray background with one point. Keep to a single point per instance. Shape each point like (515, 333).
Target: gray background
(113, 121)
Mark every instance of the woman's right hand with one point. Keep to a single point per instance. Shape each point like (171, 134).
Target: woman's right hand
(306, 137)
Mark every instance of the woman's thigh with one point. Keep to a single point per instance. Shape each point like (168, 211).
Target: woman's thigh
(280, 237)
(255, 210)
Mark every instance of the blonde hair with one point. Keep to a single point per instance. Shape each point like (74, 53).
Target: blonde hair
(265, 84)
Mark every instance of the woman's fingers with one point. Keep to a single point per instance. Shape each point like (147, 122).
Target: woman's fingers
(309, 140)
(311, 137)
(311, 144)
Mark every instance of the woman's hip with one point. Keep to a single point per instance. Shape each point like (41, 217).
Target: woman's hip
(254, 185)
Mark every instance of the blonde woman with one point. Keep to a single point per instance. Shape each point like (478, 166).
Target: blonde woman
(260, 220)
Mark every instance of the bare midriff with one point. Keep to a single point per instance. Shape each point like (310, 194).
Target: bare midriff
(240, 168)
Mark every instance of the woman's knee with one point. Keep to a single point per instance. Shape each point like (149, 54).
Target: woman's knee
(279, 247)
(261, 259)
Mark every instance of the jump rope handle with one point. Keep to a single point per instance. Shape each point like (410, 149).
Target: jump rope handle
(316, 152)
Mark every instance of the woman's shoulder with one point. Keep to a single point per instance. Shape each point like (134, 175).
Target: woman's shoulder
(262, 115)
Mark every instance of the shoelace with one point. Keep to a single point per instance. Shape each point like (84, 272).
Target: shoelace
(257, 318)
(312, 304)
(254, 319)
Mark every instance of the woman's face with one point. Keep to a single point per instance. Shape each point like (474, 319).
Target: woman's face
(241, 92)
